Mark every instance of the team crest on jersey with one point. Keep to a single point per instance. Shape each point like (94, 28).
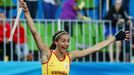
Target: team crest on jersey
(66, 65)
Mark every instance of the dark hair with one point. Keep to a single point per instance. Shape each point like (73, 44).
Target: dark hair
(56, 37)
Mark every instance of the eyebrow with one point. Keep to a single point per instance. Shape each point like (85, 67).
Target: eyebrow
(65, 38)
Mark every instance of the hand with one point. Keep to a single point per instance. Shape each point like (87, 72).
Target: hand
(121, 35)
(23, 5)
(86, 18)
(81, 5)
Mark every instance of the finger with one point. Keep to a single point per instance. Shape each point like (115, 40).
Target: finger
(126, 39)
(23, 5)
(127, 32)
(22, 2)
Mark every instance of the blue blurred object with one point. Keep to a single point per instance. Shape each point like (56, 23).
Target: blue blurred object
(102, 68)
(20, 68)
(77, 68)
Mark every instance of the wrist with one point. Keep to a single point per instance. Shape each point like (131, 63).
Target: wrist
(120, 35)
(112, 38)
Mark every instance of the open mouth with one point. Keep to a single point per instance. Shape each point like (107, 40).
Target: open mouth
(64, 48)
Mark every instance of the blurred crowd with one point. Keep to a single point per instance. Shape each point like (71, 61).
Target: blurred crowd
(117, 11)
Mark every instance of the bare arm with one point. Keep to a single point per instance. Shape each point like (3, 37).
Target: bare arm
(43, 48)
(97, 47)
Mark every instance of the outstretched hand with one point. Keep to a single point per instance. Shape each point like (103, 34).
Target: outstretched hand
(23, 5)
(122, 35)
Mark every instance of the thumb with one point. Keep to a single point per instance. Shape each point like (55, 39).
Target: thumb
(22, 0)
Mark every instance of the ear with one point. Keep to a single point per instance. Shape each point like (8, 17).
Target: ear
(56, 42)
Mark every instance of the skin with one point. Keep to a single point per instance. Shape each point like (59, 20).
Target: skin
(118, 6)
(62, 43)
(2, 17)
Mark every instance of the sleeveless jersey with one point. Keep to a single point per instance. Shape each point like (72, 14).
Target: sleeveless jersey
(54, 66)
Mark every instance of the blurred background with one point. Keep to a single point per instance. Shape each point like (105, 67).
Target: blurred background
(87, 21)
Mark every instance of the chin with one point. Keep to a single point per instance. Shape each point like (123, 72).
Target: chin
(63, 51)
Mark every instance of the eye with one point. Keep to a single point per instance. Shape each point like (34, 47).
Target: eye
(68, 40)
(63, 40)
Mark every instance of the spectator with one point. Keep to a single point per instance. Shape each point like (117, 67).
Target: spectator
(118, 17)
(20, 42)
(70, 11)
(33, 6)
(5, 32)
(50, 8)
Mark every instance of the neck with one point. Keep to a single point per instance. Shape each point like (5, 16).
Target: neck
(59, 54)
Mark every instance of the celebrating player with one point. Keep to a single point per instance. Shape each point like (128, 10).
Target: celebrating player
(55, 60)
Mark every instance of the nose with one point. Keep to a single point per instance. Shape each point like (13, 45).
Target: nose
(67, 43)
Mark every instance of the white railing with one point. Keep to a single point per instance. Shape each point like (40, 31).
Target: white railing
(84, 34)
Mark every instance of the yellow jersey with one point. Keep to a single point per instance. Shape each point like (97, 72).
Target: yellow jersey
(54, 66)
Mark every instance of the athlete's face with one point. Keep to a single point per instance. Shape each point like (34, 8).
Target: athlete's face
(63, 42)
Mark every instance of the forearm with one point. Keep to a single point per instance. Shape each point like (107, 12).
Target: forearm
(121, 35)
(30, 22)
(95, 48)
(102, 44)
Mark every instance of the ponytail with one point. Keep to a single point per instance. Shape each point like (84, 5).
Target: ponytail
(53, 46)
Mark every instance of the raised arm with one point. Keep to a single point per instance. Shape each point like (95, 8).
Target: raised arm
(43, 48)
(121, 35)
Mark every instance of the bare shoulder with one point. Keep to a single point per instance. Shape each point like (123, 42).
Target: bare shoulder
(45, 55)
(72, 54)
(45, 52)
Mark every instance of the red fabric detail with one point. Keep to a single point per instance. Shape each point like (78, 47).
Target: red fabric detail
(19, 35)
(7, 31)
